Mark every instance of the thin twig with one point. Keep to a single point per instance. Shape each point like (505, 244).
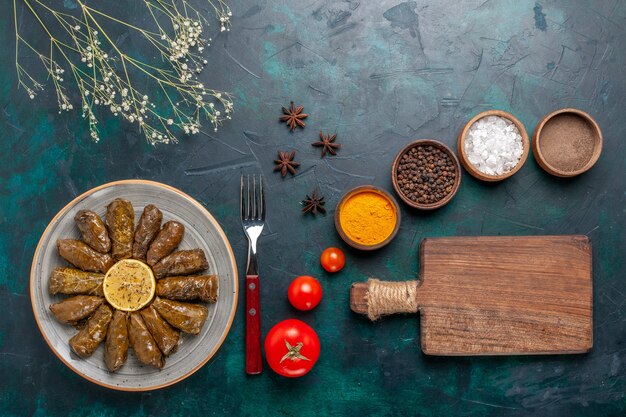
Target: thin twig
(106, 79)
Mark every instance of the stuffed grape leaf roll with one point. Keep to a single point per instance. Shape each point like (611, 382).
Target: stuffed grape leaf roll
(116, 344)
(93, 230)
(189, 288)
(165, 242)
(82, 256)
(147, 229)
(74, 281)
(184, 316)
(87, 340)
(144, 345)
(74, 309)
(183, 262)
(120, 220)
(166, 336)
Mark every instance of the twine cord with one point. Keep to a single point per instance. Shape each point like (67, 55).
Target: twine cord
(384, 297)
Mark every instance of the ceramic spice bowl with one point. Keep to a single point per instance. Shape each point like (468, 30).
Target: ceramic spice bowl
(426, 186)
(367, 218)
(567, 142)
(474, 170)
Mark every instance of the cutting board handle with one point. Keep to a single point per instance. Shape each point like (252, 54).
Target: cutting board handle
(377, 298)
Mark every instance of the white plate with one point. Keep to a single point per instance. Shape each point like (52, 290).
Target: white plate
(201, 231)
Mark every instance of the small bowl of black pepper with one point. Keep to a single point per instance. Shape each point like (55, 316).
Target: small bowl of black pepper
(426, 174)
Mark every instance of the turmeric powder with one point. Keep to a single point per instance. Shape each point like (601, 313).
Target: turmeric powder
(368, 218)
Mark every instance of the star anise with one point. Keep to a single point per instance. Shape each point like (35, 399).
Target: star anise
(327, 141)
(293, 116)
(286, 163)
(313, 204)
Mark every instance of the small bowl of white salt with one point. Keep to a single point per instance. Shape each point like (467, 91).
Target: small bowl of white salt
(493, 145)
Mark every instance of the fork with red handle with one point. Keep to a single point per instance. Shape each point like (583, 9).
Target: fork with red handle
(253, 220)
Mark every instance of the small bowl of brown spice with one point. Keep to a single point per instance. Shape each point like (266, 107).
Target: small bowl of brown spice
(426, 174)
(567, 142)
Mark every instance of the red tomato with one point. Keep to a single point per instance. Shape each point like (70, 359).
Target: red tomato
(292, 348)
(332, 259)
(305, 293)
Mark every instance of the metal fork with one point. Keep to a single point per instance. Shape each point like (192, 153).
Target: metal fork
(253, 220)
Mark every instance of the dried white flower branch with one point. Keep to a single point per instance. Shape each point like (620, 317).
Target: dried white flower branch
(105, 79)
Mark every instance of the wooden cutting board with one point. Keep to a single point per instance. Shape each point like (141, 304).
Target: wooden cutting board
(496, 295)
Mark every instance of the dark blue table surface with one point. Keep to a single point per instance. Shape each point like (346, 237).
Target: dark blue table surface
(379, 74)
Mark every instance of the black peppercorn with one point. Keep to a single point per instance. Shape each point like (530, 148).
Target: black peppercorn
(426, 174)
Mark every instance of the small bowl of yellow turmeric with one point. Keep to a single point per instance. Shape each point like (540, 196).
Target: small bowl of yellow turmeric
(367, 217)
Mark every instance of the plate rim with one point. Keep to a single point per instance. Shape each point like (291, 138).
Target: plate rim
(220, 231)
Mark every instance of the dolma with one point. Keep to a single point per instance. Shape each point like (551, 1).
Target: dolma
(74, 309)
(83, 256)
(165, 242)
(184, 316)
(147, 229)
(183, 262)
(87, 340)
(120, 220)
(165, 335)
(143, 343)
(116, 345)
(74, 281)
(188, 288)
(93, 230)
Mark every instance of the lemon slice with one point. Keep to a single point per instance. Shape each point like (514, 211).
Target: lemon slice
(129, 285)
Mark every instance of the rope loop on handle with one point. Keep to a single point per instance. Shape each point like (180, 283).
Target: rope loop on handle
(384, 297)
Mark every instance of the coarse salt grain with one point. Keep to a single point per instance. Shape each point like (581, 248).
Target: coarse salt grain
(493, 145)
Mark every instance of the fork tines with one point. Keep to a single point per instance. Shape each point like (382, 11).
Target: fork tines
(252, 199)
